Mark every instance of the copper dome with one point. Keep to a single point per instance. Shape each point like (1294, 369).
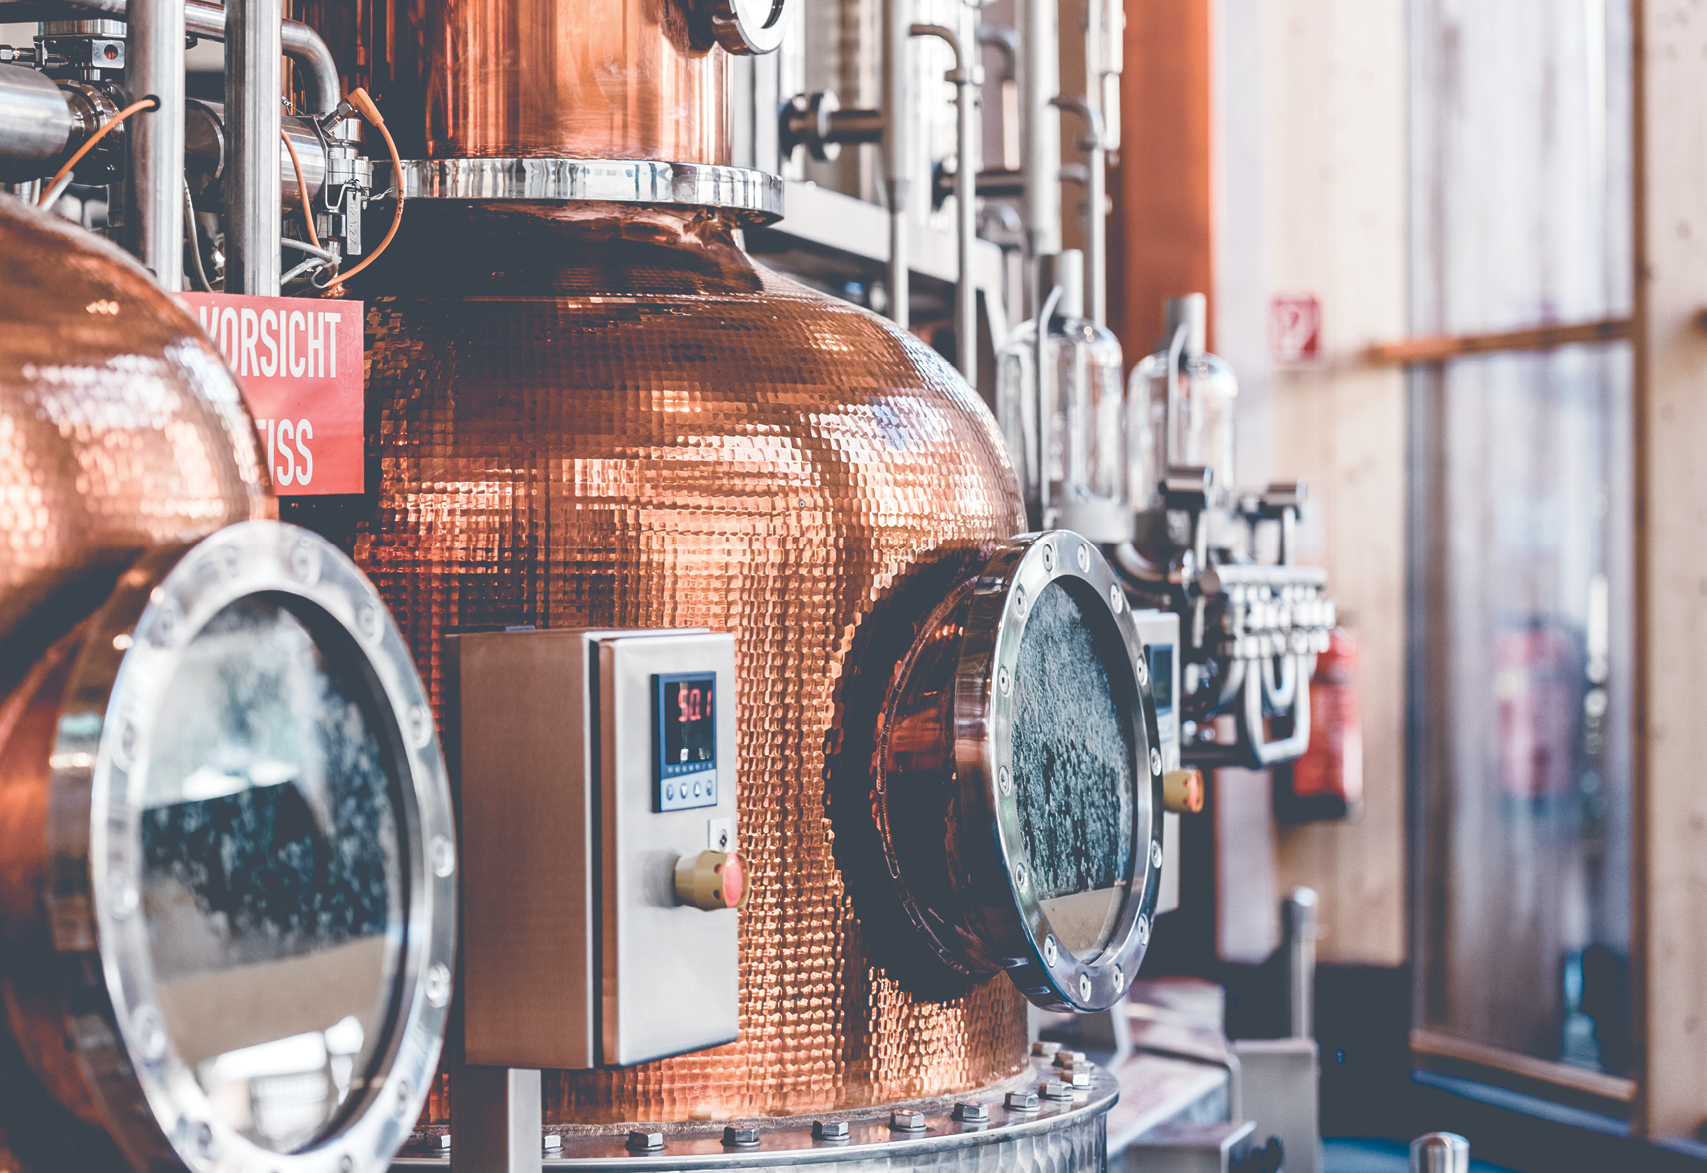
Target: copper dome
(120, 429)
(590, 416)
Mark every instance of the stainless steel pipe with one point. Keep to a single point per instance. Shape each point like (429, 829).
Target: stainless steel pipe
(299, 42)
(1039, 131)
(253, 194)
(207, 144)
(964, 76)
(35, 124)
(154, 67)
(897, 177)
(1298, 914)
(1094, 144)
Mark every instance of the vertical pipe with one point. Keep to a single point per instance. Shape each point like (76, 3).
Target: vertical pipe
(1096, 182)
(1096, 234)
(1040, 132)
(1298, 911)
(966, 214)
(154, 61)
(965, 189)
(897, 28)
(253, 193)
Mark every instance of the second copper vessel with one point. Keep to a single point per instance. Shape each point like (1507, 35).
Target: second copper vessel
(605, 417)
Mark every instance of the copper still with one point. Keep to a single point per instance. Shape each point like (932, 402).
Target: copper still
(219, 778)
(587, 413)
(121, 431)
(602, 417)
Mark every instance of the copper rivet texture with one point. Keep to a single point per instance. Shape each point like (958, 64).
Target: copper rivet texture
(120, 428)
(591, 417)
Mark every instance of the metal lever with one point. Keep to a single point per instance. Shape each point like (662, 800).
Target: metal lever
(1264, 752)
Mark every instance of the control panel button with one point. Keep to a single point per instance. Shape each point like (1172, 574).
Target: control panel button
(711, 880)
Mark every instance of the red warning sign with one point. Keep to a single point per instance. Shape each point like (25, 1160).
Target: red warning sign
(299, 362)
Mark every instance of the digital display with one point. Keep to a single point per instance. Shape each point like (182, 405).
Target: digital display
(688, 732)
(1162, 676)
(685, 725)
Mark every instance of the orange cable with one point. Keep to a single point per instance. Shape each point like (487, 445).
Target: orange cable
(361, 101)
(142, 104)
(301, 189)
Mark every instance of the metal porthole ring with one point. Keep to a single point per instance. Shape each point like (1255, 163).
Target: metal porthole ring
(749, 27)
(136, 644)
(1004, 604)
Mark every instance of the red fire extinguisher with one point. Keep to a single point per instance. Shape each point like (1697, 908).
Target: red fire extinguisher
(1327, 782)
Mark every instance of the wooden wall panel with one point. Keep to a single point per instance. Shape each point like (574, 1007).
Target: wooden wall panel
(1334, 184)
(1671, 418)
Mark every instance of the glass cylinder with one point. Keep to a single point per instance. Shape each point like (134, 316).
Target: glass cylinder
(1083, 447)
(1201, 432)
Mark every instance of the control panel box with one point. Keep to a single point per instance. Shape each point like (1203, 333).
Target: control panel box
(1160, 633)
(595, 782)
(670, 980)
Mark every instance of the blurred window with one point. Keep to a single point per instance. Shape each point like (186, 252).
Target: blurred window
(1522, 508)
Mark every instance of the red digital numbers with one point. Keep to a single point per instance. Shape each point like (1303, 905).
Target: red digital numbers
(694, 704)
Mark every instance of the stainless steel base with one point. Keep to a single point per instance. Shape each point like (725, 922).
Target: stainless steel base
(1061, 1136)
(752, 196)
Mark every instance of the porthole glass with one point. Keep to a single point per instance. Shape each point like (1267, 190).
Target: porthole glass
(1073, 763)
(272, 874)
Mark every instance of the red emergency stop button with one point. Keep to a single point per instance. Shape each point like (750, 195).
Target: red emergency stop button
(712, 880)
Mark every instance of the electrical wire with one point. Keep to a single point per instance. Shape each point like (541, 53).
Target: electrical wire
(193, 235)
(65, 171)
(302, 246)
(301, 189)
(362, 102)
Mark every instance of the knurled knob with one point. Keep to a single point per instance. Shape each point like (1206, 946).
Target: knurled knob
(712, 880)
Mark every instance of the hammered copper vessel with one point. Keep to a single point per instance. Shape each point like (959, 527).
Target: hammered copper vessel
(121, 432)
(587, 414)
(611, 417)
(120, 429)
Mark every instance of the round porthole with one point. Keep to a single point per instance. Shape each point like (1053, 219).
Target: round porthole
(248, 861)
(1023, 712)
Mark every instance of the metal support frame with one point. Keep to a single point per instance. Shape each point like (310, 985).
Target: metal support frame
(155, 68)
(253, 192)
(1040, 135)
(897, 178)
(497, 1119)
